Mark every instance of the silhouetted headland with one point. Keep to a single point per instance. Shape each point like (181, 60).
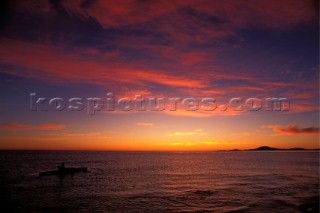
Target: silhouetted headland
(268, 148)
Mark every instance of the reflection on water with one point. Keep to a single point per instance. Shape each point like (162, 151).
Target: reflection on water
(161, 182)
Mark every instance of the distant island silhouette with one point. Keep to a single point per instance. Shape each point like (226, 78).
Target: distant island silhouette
(268, 148)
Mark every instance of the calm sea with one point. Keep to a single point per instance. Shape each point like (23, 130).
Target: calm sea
(161, 182)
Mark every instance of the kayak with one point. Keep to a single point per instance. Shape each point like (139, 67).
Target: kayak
(65, 171)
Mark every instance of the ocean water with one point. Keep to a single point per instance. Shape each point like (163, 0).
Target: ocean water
(161, 182)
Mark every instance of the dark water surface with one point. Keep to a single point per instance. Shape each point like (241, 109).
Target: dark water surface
(161, 182)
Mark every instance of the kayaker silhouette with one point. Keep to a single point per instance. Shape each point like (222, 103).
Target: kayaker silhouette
(62, 167)
(62, 170)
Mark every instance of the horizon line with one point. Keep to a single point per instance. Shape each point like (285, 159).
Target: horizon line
(218, 150)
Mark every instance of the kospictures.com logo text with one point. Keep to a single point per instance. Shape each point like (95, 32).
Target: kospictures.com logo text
(140, 103)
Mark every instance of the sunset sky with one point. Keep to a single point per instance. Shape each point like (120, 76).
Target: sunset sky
(162, 49)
